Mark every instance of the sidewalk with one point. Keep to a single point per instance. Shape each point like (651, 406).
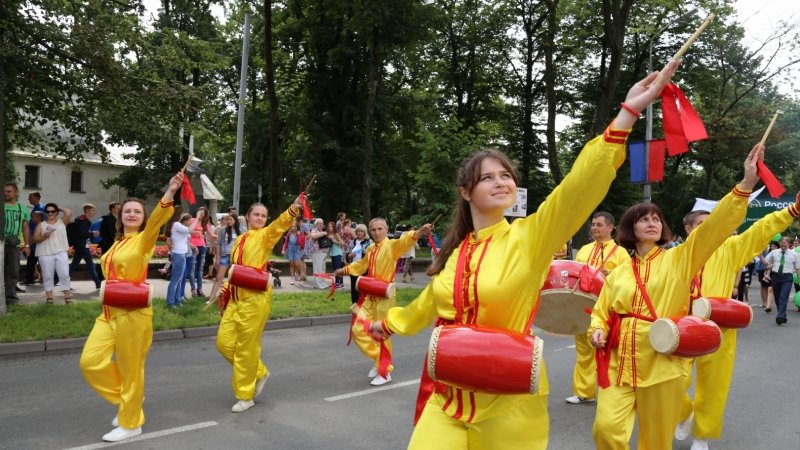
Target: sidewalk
(84, 290)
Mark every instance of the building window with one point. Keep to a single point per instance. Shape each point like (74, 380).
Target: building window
(76, 181)
(32, 177)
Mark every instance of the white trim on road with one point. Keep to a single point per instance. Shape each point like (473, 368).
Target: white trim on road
(371, 391)
(146, 436)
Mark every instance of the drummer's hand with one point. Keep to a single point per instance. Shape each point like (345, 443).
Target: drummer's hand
(643, 93)
(376, 331)
(735, 293)
(423, 231)
(298, 202)
(338, 272)
(750, 167)
(599, 338)
(604, 272)
(175, 183)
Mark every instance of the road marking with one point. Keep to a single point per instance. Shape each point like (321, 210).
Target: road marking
(152, 435)
(564, 348)
(371, 391)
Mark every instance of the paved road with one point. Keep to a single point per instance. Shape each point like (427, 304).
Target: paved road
(47, 405)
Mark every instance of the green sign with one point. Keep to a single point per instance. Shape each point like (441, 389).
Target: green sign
(764, 205)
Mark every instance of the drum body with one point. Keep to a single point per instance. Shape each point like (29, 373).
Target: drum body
(686, 337)
(485, 359)
(726, 313)
(375, 287)
(126, 294)
(248, 277)
(569, 292)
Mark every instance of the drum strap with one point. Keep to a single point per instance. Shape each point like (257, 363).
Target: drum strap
(643, 289)
(112, 273)
(696, 289)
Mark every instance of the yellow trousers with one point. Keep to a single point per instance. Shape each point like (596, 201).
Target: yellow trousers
(239, 341)
(713, 381)
(524, 427)
(584, 376)
(657, 407)
(373, 309)
(121, 382)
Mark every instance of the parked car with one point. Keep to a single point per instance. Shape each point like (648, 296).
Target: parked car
(399, 229)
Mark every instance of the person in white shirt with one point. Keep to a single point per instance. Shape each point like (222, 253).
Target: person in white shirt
(781, 264)
(179, 235)
(50, 237)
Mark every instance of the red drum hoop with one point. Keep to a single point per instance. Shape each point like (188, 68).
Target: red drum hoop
(126, 294)
(375, 287)
(248, 277)
(569, 291)
(687, 337)
(727, 313)
(485, 359)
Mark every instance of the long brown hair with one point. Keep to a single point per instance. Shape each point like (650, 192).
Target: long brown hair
(120, 227)
(461, 222)
(626, 236)
(206, 218)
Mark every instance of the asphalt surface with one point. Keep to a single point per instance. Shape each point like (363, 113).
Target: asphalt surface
(47, 405)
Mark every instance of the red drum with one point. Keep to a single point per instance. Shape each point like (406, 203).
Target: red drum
(485, 359)
(570, 290)
(248, 277)
(727, 313)
(375, 287)
(126, 294)
(686, 337)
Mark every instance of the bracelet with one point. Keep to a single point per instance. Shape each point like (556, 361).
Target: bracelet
(628, 108)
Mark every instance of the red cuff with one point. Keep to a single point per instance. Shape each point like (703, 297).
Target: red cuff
(613, 136)
(385, 328)
(741, 192)
(794, 210)
(164, 204)
(292, 213)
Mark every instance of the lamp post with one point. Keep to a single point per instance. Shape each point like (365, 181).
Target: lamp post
(648, 134)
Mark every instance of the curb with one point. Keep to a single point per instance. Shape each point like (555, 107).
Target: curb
(20, 348)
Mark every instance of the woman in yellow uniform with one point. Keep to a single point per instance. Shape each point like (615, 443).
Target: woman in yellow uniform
(503, 268)
(125, 333)
(379, 262)
(239, 334)
(638, 380)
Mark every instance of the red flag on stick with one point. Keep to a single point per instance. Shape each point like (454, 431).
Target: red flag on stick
(681, 122)
(306, 208)
(186, 191)
(432, 243)
(772, 183)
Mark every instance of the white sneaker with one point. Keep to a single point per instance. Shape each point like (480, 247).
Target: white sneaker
(120, 434)
(373, 372)
(260, 385)
(242, 405)
(380, 381)
(575, 400)
(115, 421)
(700, 444)
(684, 429)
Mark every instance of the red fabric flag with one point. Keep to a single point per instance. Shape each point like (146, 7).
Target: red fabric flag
(186, 191)
(306, 209)
(432, 243)
(772, 183)
(655, 171)
(681, 122)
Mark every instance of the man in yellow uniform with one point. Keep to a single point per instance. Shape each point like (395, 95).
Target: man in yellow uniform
(379, 262)
(604, 254)
(716, 279)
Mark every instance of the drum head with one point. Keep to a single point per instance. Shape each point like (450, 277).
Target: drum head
(664, 336)
(562, 311)
(701, 308)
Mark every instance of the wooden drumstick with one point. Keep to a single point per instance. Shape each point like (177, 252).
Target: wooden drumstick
(436, 220)
(694, 37)
(310, 183)
(690, 41)
(769, 128)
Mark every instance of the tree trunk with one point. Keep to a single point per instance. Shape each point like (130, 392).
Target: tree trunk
(275, 124)
(550, 90)
(3, 149)
(372, 87)
(615, 20)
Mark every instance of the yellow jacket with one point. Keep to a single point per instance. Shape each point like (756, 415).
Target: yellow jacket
(667, 275)
(719, 273)
(598, 254)
(132, 253)
(508, 267)
(258, 248)
(380, 260)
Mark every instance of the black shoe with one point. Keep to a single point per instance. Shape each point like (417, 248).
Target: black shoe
(780, 320)
(768, 310)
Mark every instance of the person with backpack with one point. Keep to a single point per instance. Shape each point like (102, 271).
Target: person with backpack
(78, 235)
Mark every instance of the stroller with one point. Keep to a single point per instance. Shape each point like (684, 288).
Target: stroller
(276, 274)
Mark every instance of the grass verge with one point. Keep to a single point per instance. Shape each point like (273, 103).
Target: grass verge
(40, 322)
